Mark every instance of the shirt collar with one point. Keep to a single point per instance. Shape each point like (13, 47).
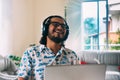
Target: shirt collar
(43, 47)
(60, 51)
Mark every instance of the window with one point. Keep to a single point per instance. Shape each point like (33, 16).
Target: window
(92, 25)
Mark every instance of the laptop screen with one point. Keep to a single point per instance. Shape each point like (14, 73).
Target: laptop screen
(75, 72)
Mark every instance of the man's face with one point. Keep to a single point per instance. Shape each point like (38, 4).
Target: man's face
(57, 30)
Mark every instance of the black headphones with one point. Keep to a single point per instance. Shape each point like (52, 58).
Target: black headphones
(46, 24)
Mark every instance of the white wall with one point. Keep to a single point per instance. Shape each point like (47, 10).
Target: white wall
(25, 21)
(22, 25)
(44, 8)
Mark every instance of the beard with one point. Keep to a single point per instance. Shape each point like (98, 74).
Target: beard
(56, 39)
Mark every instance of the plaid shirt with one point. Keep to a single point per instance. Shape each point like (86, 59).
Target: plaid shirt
(36, 58)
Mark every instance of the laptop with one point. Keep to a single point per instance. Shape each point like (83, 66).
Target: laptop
(76, 72)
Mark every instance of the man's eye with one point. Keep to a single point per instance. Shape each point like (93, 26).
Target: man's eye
(56, 24)
(63, 26)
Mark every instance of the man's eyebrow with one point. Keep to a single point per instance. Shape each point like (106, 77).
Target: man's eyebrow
(56, 22)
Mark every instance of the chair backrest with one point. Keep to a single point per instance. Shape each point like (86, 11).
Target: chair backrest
(2, 63)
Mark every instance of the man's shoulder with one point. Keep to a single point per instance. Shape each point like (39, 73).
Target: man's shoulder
(69, 50)
(35, 48)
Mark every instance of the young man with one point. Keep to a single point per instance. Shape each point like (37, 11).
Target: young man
(51, 50)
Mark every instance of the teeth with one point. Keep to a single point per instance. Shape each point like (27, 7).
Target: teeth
(58, 31)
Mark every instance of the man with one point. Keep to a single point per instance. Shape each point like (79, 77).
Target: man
(51, 50)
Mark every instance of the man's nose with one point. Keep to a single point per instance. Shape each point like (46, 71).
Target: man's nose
(60, 27)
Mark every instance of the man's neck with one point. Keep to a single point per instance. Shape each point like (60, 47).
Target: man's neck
(55, 47)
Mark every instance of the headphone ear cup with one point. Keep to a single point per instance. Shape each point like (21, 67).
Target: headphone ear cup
(45, 26)
(43, 29)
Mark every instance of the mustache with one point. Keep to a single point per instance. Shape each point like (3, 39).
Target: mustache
(59, 31)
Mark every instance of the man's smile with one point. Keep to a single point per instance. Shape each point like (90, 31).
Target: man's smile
(58, 31)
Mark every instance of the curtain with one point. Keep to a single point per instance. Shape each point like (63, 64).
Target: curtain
(73, 17)
(5, 27)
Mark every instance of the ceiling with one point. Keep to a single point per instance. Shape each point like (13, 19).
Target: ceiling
(92, 0)
(114, 8)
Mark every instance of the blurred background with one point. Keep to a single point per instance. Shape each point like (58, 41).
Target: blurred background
(94, 24)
